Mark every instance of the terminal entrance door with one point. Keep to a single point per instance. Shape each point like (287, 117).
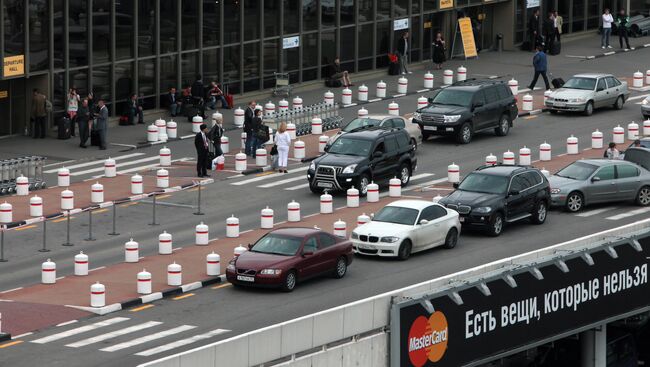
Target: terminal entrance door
(16, 103)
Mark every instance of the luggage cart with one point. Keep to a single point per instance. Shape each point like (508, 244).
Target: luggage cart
(282, 85)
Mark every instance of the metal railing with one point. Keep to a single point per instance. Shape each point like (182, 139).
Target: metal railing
(328, 113)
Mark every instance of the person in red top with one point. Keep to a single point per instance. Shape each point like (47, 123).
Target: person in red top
(216, 94)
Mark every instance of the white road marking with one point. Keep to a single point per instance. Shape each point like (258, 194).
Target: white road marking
(298, 187)
(589, 213)
(265, 177)
(638, 97)
(421, 175)
(282, 182)
(67, 323)
(114, 334)
(148, 338)
(21, 336)
(129, 163)
(629, 214)
(80, 330)
(59, 163)
(11, 290)
(80, 165)
(180, 343)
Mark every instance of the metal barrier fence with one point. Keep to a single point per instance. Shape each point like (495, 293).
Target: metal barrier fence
(302, 117)
(29, 166)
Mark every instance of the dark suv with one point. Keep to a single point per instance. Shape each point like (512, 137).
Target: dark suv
(355, 159)
(467, 107)
(491, 196)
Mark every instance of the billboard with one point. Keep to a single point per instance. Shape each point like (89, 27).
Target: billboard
(497, 319)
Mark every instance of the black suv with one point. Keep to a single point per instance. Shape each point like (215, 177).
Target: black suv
(467, 107)
(355, 159)
(491, 196)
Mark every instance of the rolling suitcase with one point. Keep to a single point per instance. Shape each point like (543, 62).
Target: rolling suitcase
(556, 48)
(64, 128)
(557, 83)
(94, 138)
(190, 112)
(229, 98)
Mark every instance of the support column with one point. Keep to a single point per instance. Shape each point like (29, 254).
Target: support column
(593, 347)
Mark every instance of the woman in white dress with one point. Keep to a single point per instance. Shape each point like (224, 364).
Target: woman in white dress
(283, 143)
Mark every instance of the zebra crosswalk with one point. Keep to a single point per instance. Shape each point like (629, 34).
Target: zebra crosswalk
(125, 334)
(612, 213)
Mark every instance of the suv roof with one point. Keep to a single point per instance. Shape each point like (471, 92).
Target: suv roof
(476, 84)
(504, 169)
(372, 133)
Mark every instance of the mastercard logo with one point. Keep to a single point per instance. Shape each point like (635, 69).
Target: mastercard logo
(428, 339)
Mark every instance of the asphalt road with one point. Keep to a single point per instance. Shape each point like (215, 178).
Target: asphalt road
(240, 310)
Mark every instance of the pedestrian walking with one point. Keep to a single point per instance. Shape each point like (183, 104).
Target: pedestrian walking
(101, 123)
(249, 114)
(439, 51)
(39, 114)
(533, 30)
(402, 53)
(622, 23)
(84, 119)
(558, 25)
(283, 143)
(549, 32)
(541, 65)
(72, 106)
(202, 148)
(608, 19)
(611, 152)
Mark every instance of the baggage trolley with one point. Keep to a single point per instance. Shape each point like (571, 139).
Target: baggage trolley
(282, 85)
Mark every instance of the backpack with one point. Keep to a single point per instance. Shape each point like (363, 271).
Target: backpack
(48, 106)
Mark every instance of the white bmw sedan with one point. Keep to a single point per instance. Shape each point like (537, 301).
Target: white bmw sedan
(406, 226)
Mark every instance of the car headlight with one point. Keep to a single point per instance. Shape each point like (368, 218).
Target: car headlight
(451, 118)
(271, 272)
(354, 236)
(350, 168)
(556, 191)
(312, 166)
(389, 239)
(577, 100)
(483, 209)
(645, 101)
(417, 116)
(231, 267)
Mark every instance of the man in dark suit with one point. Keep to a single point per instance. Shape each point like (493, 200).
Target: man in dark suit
(173, 102)
(198, 94)
(201, 144)
(249, 114)
(102, 123)
(402, 52)
(533, 29)
(549, 32)
(135, 110)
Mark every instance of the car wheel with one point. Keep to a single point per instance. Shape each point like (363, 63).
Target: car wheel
(574, 202)
(465, 133)
(414, 144)
(290, 280)
(618, 105)
(405, 174)
(496, 225)
(364, 181)
(404, 250)
(538, 216)
(452, 238)
(504, 126)
(589, 109)
(643, 196)
(341, 268)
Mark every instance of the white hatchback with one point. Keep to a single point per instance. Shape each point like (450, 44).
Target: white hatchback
(406, 226)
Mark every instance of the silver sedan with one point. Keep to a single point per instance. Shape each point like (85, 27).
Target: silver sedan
(585, 92)
(382, 121)
(592, 181)
(645, 108)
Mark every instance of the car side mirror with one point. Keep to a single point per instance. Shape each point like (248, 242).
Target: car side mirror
(455, 185)
(327, 148)
(430, 100)
(250, 247)
(377, 154)
(513, 192)
(307, 253)
(423, 222)
(595, 179)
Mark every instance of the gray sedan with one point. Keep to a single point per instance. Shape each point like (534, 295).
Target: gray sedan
(645, 107)
(585, 92)
(592, 181)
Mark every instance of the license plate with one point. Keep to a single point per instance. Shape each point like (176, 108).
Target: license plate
(325, 184)
(559, 104)
(461, 219)
(431, 128)
(244, 278)
(366, 247)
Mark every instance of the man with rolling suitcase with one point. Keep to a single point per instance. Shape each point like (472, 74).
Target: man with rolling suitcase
(541, 65)
(101, 124)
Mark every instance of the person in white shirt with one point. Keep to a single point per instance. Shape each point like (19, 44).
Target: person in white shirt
(608, 19)
(283, 143)
(612, 152)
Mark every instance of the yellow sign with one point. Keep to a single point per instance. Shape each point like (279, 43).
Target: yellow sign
(446, 4)
(4, 94)
(14, 65)
(467, 35)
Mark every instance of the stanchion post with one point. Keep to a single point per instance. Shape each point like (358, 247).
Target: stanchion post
(153, 221)
(114, 233)
(198, 210)
(44, 248)
(90, 225)
(67, 235)
(3, 228)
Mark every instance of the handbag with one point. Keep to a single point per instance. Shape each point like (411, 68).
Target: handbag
(274, 150)
(262, 134)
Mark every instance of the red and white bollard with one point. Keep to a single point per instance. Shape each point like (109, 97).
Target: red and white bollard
(291, 129)
(165, 155)
(80, 264)
(618, 135)
(527, 104)
(239, 117)
(340, 229)
(213, 264)
(428, 80)
(202, 234)
(524, 156)
(545, 151)
(381, 89)
(329, 98)
(462, 73)
(326, 204)
(352, 198)
(513, 84)
(137, 186)
(447, 77)
(346, 96)
(97, 193)
(490, 160)
(283, 106)
(152, 133)
(296, 103)
(632, 131)
(225, 144)
(572, 145)
(110, 168)
(402, 85)
(393, 108)
(172, 130)
(22, 186)
(269, 109)
(394, 187)
(362, 94)
(293, 212)
(97, 295)
(48, 272)
(197, 121)
(232, 227)
(35, 206)
(637, 79)
(239, 250)
(63, 177)
(162, 127)
(596, 140)
(509, 158)
(162, 178)
(266, 218)
(6, 213)
(453, 173)
(165, 243)
(362, 219)
(260, 157)
(322, 143)
(174, 274)
(316, 126)
(221, 163)
(240, 162)
(299, 149)
(372, 195)
(67, 200)
(131, 251)
(646, 127)
(144, 282)
(422, 102)
(647, 77)
(362, 113)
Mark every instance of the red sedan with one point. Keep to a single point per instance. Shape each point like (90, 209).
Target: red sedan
(286, 256)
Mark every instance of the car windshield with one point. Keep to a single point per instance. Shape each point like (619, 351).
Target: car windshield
(454, 97)
(580, 83)
(396, 214)
(360, 123)
(577, 171)
(277, 245)
(488, 184)
(351, 146)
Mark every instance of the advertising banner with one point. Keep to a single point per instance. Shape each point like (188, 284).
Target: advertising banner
(467, 36)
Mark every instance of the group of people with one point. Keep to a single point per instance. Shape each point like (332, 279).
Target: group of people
(197, 96)
(88, 117)
(622, 25)
(550, 33)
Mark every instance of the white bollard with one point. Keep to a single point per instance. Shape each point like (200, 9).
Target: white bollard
(447, 77)
(462, 73)
(165, 243)
(394, 187)
(316, 126)
(618, 135)
(165, 155)
(326, 204)
(647, 77)
(402, 85)
(381, 89)
(632, 131)
(291, 129)
(63, 177)
(490, 160)
(269, 109)
(266, 218)
(213, 264)
(524, 156)
(453, 173)
(197, 121)
(152, 133)
(362, 219)
(352, 198)
(329, 98)
(299, 149)
(162, 127)
(362, 94)
(637, 79)
(174, 274)
(346, 96)
(596, 140)
(240, 162)
(339, 229)
(172, 131)
(513, 84)
(225, 144)
(283, 106)
(527, 104)
(572, 145)
(80, 264)
(322, 143)
(162, 178)
(436, 198)
(646, 127)
(48, 272)
(110, 168)
(422, 102)
(202, 234)
(545, 151)
(509, 158)
(131, 251)
(296, 103)
(393, 108)
(137, 186)
(232, 227)
(239, 117)
(239, 250)
(428, 80)
(545, 172)
(35, 206)
(293, 212)
(97, 193)
(260, 157)
(372, 195)
(546, 95)
(97, 295)
(362, 113)
(144, 282)
(22, 186)
(67, 200)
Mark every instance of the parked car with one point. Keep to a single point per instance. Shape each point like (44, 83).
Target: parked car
(592, 181)
(286, 256)
(645, 108)
(356, 159)
(492, 196)
(585, 92)
(407, 226)
(467, 107)
(383, 121)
